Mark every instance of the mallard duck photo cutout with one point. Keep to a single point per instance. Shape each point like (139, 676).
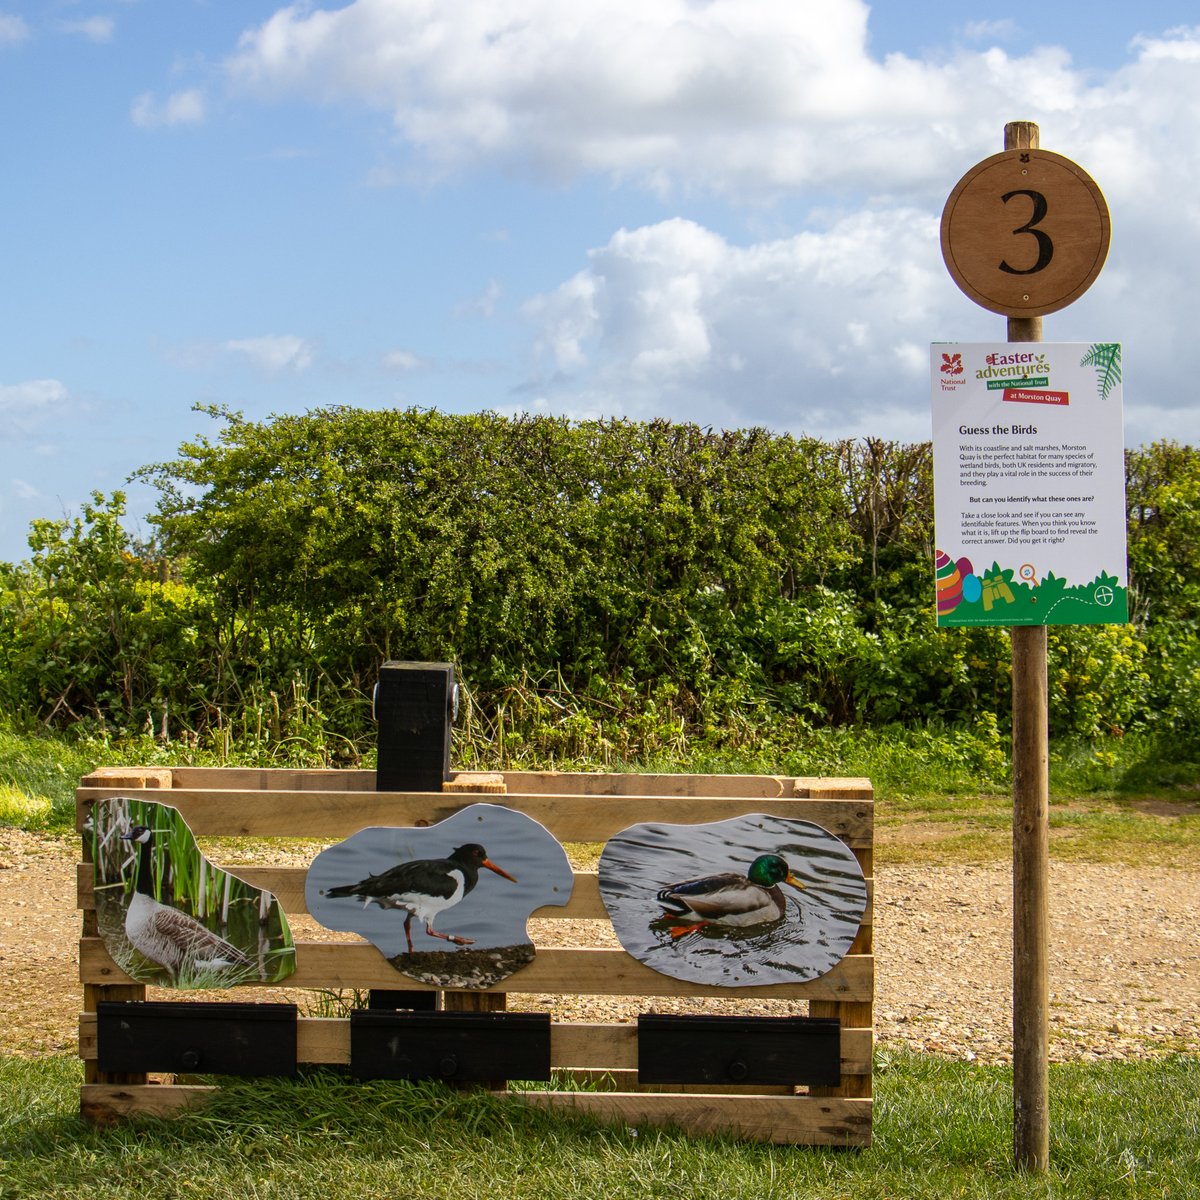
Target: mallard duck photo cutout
(728, 899)
(447, 904)
(171, 918)
(748, 901)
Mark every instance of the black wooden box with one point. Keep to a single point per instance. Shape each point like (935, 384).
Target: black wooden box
(733, 1050)
(414, 708)
(194, 1038)
(456, 1047)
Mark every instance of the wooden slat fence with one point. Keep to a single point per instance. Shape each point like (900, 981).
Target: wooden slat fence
(327, 806)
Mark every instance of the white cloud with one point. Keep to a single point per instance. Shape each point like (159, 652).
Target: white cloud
(274, 354)
(1001, 30)
(758, 101)
(483, 305)
(24, 490)
(827, 331)
(25, 405)
(403, 360)
(180, 108)
(95, 29)
(675, 319)
(729, 95)
(13, 30)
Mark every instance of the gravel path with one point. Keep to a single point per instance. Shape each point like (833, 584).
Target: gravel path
(1125, 958)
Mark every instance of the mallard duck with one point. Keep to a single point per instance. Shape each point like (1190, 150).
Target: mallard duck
(167, 936)
(730, 900)
(424, 888)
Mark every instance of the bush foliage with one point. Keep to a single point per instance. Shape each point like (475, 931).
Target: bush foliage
(635, 584)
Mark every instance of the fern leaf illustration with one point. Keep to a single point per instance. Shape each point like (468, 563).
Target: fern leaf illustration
(1106, 358)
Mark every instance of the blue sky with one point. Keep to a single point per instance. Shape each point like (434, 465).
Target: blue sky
(721, 211)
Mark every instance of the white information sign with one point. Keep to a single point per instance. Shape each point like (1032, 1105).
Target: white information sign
(1029, 483)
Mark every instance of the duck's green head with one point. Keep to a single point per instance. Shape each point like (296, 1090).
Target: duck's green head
(769, 869)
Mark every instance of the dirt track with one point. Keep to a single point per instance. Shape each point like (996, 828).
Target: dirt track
(1125, 961)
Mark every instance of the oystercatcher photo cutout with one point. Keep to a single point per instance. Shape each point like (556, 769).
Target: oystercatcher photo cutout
(448, 904)
(737, 903)
(167, 916)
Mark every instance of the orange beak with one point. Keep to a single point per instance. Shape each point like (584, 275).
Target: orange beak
(491, 866)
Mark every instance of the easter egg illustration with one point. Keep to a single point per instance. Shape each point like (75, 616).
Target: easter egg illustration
(949, 583)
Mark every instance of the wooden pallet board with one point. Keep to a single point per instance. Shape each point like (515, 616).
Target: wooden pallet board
(572, 818)
(578, 783)
(576, 807)
(584, 970)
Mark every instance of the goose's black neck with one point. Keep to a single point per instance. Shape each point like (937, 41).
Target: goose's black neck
(145, 875)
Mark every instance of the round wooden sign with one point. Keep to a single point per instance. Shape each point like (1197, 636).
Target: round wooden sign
(1025, 232)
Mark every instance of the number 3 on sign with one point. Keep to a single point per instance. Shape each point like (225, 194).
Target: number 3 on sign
(1045, 245)
(1030, 268)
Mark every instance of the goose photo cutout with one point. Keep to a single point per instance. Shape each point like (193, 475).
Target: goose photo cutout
(167, 916)
(447, 904)
(738, 903)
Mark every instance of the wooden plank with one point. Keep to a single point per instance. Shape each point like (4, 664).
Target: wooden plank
(106, 1103)
(273, 779)
(588, 783)
(825, 787)
(787, 1120)
(574, 1045)
(860, 1014)
(476, 782)
(241, 813)
(135, 778)
(323, 1040)
(570, 970)
(287, 885)
(626, 1081)
(580, 783)
(607, 783)
(864, 940)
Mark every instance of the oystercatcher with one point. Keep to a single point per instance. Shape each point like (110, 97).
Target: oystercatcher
(425, 887)
(729, 899)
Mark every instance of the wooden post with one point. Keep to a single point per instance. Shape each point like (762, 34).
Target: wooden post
(1031, 842)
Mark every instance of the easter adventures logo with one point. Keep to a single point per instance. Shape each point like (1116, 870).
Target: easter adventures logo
(1020, 369)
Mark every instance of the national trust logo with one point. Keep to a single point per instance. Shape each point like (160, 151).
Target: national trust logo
(951, 371)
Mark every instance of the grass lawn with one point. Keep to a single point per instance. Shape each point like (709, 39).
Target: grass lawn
(942, 1130)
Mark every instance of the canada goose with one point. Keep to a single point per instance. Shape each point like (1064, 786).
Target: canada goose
(167, 936)
(729, 899)
(424, 887)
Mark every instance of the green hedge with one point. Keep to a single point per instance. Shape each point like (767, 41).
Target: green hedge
(588, 578)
